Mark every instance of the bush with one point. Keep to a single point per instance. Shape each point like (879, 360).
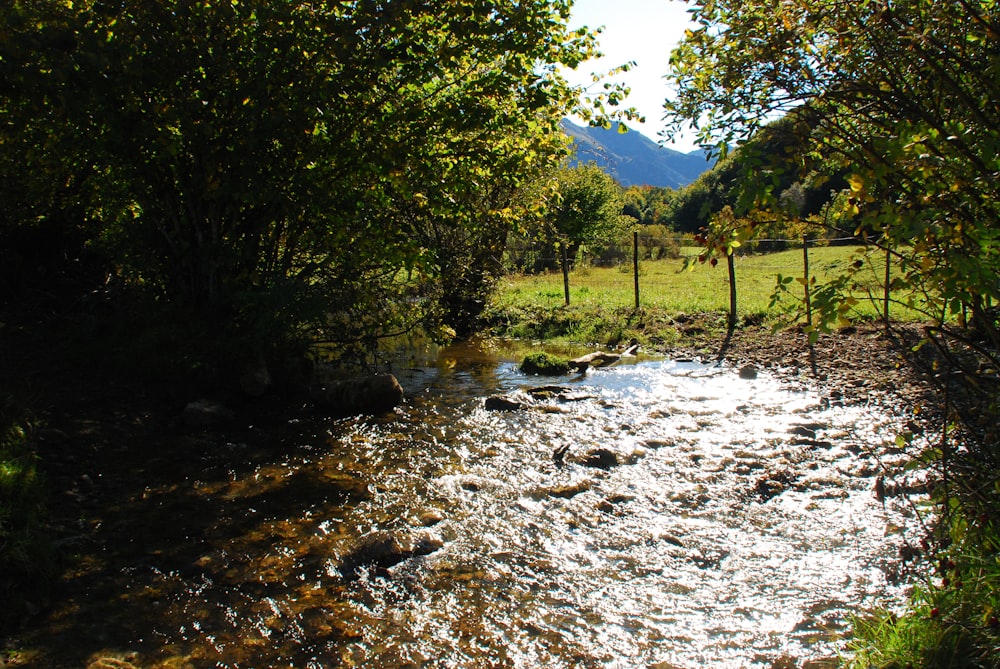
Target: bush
(657, 242)
(545, 364)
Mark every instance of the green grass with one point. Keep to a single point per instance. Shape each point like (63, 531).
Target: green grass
(666, 285)
(951, 621)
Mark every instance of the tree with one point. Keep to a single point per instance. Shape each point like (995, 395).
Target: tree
(268, 163)
(649, 205)
(588, 208)
(899, 95)
(467, 260)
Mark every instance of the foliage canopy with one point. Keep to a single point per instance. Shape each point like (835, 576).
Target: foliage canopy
(259, 164)
(898, 96)
(589, 205)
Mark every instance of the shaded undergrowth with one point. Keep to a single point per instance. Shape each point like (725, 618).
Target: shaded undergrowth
(27, 560)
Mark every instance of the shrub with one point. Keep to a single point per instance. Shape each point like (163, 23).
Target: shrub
(544, 364)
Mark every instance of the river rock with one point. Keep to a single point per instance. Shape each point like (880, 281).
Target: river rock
(380, 551)
(563, 490)
(366, 394)
(544, 364)
(671, 539)
(255, 378)
(599, 458)
(498, 403)
(206, 413)
(116, 661)
(772, 485)
(430, 517)
(547, 392)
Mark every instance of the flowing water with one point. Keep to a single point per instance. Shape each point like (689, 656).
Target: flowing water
(653, 514)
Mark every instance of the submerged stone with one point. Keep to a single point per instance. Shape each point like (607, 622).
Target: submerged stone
(206, 413)
(599, 458)
(564, 490)
(498, 403)
(255, 378)
(380, 551)
(430, 517)
(547, 392)
(366, 394)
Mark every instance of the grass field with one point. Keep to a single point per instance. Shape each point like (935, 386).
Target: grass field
(666, 285)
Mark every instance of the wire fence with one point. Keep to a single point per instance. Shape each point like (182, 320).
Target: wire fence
(526, 256)
(802, 273)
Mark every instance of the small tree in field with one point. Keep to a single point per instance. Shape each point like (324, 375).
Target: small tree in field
(587, 210)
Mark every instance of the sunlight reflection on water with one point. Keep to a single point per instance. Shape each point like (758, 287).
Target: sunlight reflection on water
(673, 557)
(652, 514)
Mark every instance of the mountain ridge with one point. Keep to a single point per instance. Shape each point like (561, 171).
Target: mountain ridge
(633, 159)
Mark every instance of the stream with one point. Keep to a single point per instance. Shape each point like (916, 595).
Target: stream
(653, 514)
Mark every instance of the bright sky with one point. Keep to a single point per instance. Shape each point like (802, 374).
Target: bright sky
(641, 30)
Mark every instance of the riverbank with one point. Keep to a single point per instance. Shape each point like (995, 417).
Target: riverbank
(861, 363)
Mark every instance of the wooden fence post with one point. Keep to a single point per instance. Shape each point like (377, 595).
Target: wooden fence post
(885, 305)
(732, 290)
(565, 269)
(635, 265)
(805, 270)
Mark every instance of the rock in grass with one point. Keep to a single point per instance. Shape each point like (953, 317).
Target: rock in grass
(545, 364)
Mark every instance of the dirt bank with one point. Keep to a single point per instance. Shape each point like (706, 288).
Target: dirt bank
(858, 364)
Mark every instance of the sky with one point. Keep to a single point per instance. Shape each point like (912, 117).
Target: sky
(644, 31)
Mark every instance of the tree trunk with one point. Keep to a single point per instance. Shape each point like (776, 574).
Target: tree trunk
(805, 271)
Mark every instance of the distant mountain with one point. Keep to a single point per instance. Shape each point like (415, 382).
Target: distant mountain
(634, 159)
